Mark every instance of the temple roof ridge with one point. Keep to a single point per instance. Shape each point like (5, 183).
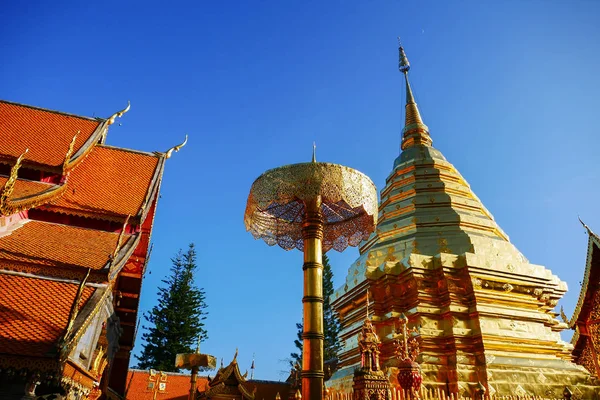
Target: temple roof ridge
(51, 278)
(186, 374)
(128, 150)
(95, 119)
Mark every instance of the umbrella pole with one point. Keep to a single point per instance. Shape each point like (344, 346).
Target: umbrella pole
(312, 351)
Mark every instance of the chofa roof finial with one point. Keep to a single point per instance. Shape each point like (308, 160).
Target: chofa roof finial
(175, 149)
(111, 119)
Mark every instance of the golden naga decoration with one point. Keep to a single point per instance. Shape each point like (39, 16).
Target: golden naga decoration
(73, 314)
(564, 316)
(9, 186)
(169, 152)
(70, 152)
(120, 239)
(99, 362)
(312, 207)
(118, 114)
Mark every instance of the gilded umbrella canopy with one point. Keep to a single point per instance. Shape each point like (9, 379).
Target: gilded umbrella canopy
(313, 207)
(277, 205)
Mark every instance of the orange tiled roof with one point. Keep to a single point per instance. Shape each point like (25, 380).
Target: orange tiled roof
(47, 134)
(110, 181)
(24, 187)
(268, 390)
(32, 315)
(56, 245)
(177, 386)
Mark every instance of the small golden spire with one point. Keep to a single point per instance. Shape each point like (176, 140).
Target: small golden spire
(176, 148)
(415, 132)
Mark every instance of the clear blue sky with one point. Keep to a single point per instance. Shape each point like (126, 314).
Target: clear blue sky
(509, 90)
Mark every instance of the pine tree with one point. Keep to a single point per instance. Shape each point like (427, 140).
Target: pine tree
(177, 320)
(331, 323)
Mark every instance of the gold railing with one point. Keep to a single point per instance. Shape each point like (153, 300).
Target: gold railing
(438, 394)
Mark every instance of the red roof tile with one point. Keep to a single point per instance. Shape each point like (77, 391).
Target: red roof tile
(51, 244)
(177, 386)
(34, 313)
(47, 134)
(24, 187)
(110, 181)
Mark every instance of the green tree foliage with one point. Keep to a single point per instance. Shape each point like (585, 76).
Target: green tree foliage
(331, 323)
(176, 322)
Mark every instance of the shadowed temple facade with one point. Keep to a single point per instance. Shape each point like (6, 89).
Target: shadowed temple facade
(485, 314)
(75, 222)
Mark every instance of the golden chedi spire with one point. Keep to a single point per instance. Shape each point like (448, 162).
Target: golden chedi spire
(498, 308)
(415, 132)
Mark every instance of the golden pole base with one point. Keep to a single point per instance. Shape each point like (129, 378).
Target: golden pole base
(312, 351)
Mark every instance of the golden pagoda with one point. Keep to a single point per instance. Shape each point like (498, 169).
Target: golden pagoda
(485, 313)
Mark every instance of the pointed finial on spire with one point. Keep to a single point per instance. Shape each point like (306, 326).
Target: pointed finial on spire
(314, 158)
(403, 64)
(415, 132)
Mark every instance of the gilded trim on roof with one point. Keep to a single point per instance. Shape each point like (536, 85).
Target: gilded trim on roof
(593, 240)
(10, 206)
